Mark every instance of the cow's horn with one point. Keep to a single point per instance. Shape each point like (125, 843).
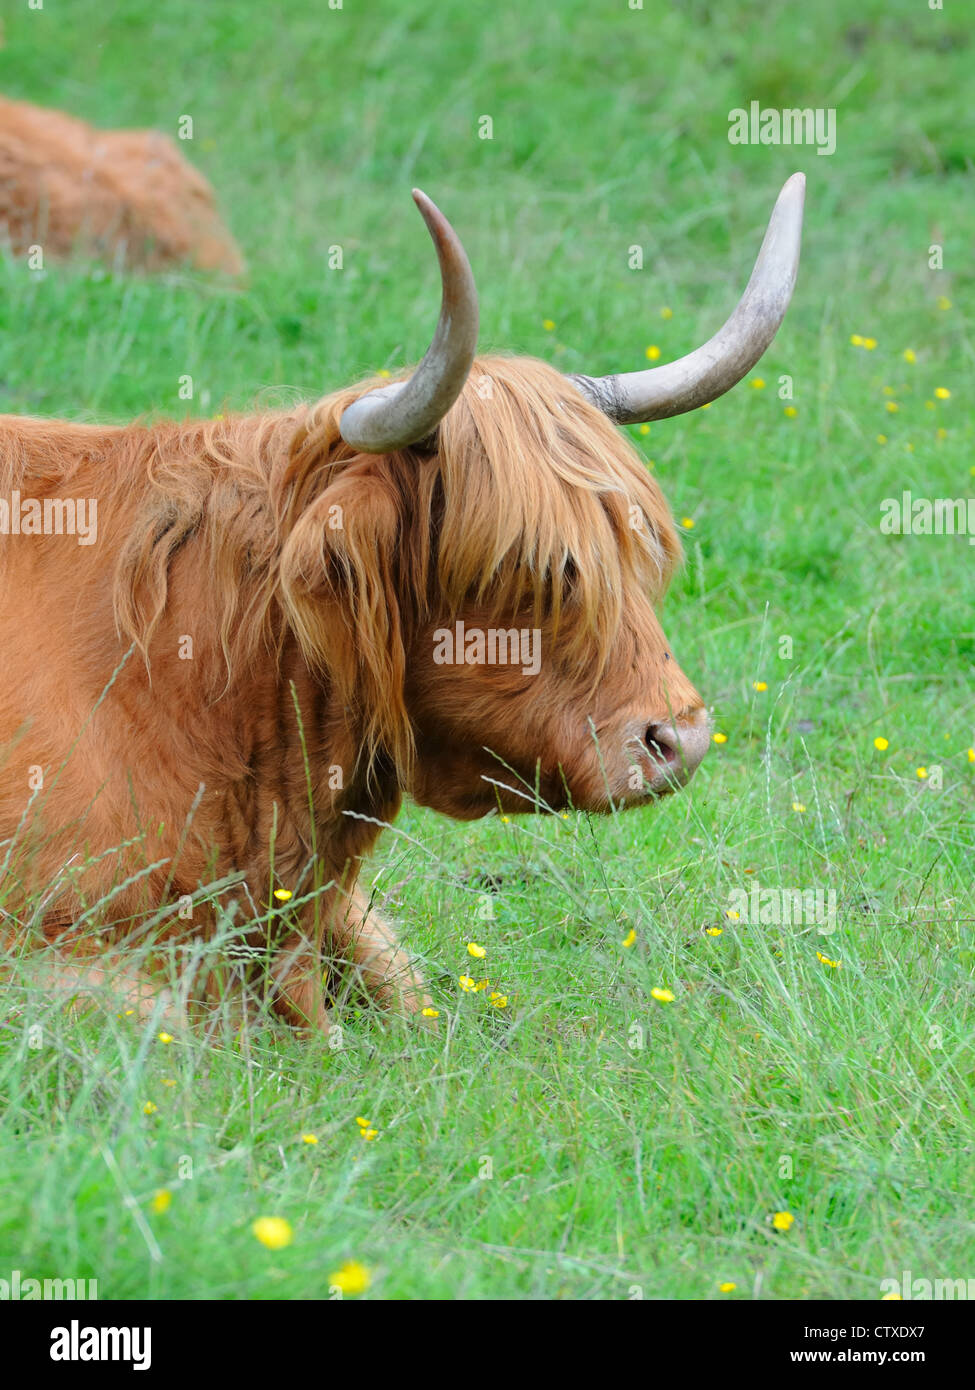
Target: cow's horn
(409, 411)
(709, 371)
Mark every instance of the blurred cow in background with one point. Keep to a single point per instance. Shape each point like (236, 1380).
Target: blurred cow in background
(124, 196)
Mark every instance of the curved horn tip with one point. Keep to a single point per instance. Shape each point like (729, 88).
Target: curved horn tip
(793, 188)
(712, 369)
(408, 412)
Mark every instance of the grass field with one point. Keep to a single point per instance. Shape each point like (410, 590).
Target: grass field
(585, 1141)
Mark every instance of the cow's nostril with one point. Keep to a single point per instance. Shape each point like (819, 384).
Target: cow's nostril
(679, 746)
(660, 738)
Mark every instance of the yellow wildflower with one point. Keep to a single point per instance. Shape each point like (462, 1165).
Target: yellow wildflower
(353, 1278)
(273, 1231)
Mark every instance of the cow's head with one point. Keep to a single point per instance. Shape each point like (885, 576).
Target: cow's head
(500, 551)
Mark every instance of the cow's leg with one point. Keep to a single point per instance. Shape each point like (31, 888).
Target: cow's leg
(296, 972)
(384, 968)
(113, 984)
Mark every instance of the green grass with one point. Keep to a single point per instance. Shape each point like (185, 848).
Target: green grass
(633, 1144)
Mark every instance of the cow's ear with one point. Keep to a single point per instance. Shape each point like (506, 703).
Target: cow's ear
(343, 598)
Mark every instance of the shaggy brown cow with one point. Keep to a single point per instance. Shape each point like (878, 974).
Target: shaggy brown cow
(273, 626)
(127, 196)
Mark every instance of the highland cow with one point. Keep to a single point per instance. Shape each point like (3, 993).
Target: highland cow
(125, 196)
(241, 666)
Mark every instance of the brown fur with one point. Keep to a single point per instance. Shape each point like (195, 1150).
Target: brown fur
(128, 196)
(533, 512)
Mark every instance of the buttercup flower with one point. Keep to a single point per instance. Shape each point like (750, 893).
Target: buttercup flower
(309, 1138)
(720, 738)
(467, 984)
(714, 931)
(273, 1231)
(663, 996)
(942, 393)
(759, 686)
(283, 894)
(430, 1013)
(353, 1278)
(161, 1201)
(653, 352)
(833, 964)
(629, 939)
(881, 743)
(478, 952)
(783, 1220)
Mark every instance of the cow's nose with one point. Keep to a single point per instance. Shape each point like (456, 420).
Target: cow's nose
(679, 745)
